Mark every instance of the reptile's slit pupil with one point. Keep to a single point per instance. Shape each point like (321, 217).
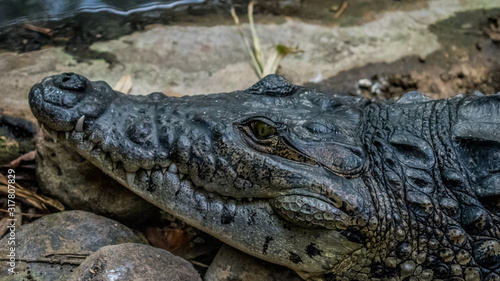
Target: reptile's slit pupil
(262, 130)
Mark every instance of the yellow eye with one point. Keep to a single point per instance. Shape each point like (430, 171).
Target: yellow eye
(262, 130)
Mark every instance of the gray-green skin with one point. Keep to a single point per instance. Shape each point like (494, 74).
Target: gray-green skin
(334, 187)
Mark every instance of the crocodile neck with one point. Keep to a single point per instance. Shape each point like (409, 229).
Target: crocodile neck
(420, 228)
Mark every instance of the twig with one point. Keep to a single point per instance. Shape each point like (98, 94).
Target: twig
(198, 263)
(341, 10)
(68, 255)
(43, 30)
(47, 260)
(24, 214)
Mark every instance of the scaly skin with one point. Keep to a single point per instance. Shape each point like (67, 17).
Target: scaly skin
(334, 187)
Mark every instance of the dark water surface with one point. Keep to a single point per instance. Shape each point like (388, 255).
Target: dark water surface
(16, 11)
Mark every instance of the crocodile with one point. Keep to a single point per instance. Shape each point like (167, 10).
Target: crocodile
(335, 187)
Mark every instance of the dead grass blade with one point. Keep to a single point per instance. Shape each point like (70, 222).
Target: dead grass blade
(255, 38)
(38, 201)
(124, 84)
(256, 65)
(262, 67)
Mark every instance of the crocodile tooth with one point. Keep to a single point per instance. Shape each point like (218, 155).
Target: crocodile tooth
(250, 199)
(181, 176)
(157, 167)
(130, 179)
(41, 125)
(163, 170)
(173, 169)
(107, 157)
(79, 124)
(114, 165)
(211, 194)
(225, 198)
(66, 134)
(54, 135)
(148, 172)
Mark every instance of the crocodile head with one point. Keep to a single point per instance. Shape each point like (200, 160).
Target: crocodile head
(330, 186)
(273, 170)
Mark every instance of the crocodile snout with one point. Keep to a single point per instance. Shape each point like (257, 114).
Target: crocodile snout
(60, 101)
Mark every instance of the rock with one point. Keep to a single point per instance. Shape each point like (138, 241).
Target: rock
(130, 262)
(16, 137)
(365, 83)
(233, 265)
(50, 248)
(66, 176)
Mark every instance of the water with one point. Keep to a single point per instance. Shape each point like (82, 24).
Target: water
(17, 11)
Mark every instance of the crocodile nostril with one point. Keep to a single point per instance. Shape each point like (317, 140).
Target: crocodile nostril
(71, 81)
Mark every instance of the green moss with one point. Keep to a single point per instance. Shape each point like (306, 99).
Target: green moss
(9, 149)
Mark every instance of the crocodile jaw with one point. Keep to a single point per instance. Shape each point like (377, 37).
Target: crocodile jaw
(247, 222)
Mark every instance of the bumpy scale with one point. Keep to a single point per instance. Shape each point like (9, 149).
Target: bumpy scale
(334, 187)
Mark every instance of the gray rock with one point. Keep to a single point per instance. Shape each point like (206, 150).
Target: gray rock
(69, 178)
(131, 262)
(233, 265)
(50, 248)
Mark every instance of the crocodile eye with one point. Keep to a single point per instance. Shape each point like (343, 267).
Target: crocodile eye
(266, 136)
(262, 130)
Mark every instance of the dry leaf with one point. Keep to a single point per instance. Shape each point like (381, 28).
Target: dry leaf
(170, 239)
(173, 94)
(30, 156)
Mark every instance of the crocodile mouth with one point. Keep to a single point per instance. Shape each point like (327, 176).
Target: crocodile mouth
(298, 206)
(83, 144)
(97, 155)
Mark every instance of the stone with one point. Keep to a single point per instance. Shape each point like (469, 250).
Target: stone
(66, 176)
(232, 265)
(50, 248)
(132, 261)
